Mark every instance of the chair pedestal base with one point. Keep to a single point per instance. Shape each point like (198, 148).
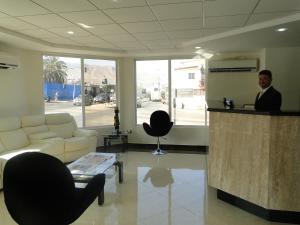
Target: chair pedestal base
(159, 152)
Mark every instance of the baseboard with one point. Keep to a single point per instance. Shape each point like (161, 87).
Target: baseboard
(149, 147)
(280, 216)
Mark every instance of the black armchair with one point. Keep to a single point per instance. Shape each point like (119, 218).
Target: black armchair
(160, 125)
(39, 190)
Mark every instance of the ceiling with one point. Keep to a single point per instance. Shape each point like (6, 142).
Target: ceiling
(133, 27)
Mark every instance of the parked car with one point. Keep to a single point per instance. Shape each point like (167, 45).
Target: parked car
(139, 105)
(100, 98)
(78, 100)
(138, 102)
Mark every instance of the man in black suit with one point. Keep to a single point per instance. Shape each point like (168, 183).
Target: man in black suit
(268, 99)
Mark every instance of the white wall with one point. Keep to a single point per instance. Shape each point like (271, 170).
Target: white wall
(285, 66)
(242, 87)
(21, 89)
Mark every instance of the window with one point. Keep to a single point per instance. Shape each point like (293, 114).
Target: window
(100, 84)
(151, 88)
(186, 102)
(66, 91)
(188, 94)
(191, 75)
(62, 86)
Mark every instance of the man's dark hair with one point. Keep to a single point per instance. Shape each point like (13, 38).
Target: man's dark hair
(266, 72)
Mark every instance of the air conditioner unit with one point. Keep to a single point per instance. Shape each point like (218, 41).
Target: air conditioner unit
(245, 65)
(7, 62)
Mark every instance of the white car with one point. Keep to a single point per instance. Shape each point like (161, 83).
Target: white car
(78, 100)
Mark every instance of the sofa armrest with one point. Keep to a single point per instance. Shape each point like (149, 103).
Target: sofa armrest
(84, 132)
(41, 136)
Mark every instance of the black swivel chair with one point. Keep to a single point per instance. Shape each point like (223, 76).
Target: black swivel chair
(160, 125)
(39, 190)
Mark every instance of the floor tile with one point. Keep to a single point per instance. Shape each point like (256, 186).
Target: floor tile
(159, 190)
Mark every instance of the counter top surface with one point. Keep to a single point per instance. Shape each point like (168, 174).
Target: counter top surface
(251, 111)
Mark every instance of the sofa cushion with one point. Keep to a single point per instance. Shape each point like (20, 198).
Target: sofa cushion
(64, 130)
(10, 123)
(33, 120)
(76, 143)
(42, 135)
(14, 139)
(34, 130)
(53, 146)
(2, 148)
(58, 118)
(84, 132)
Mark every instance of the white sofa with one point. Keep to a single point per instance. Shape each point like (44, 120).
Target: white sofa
(54, 134)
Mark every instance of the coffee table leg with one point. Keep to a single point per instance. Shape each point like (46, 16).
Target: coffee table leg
(101, 197)
(120, 168)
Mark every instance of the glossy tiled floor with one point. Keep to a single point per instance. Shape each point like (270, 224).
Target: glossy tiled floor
(166, 190)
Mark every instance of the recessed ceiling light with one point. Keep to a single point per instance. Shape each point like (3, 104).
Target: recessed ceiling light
(84, 25)
(281, 29)
(70, 32)
(197, 47)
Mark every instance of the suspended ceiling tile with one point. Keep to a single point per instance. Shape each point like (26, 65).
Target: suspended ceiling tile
(47, 21)
(88, 39)
(39, 33)
(228, 7)
(134, 14)
(21, 8)
(225, 21)
(3, 15)
(119, 38)
(182, 24)
(87, 17)
(60, 40)
(178, 11)
(15, 24)
(107, 4)
(142, 27)
(107, 29)
(180, 41)
(159, 2)
(212, 31)
(279, 6)
(66, 5)
(151, 36)
(186, 34)
(159, 44)
(63, 31)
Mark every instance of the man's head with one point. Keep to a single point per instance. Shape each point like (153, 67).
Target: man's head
(265, 78)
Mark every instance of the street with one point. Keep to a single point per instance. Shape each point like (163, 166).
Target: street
(103, 114)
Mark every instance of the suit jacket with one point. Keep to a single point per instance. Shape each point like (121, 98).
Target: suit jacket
(269, 101)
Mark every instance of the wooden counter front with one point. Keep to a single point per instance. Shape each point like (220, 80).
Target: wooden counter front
(256, 157)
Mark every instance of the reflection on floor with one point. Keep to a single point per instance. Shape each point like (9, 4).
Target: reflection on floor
(166, 190)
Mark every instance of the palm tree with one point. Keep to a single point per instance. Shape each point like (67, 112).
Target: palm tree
(54, 70)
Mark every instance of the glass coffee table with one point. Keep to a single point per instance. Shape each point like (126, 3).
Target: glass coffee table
(88, 166)
(110, 139)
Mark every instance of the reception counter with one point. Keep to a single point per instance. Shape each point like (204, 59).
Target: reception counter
(254, 161)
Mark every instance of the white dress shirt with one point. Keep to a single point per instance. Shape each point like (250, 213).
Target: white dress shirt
(262, 91)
